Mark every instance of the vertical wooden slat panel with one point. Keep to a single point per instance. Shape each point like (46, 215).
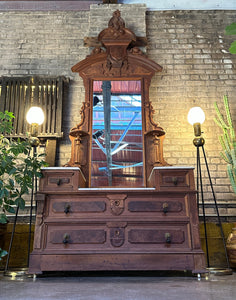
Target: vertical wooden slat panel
(11, 107)
(3, 95)
(48, 119)
(54, 100)
(16, 110)
(59, 105)
(44, 105)
(28, 92)
(14, 105)
(21, 109)
(36, 92)
(19, 94)
(8, 97)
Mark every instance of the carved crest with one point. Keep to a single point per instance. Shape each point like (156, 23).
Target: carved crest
(117, 203)
(117, 233)
(117, 236)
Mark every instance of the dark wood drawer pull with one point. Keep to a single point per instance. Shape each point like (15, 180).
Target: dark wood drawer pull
(66, 238)
(67, 208)
(165, 207)
(167, 238)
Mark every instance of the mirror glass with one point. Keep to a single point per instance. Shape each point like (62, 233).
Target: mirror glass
(117, 146)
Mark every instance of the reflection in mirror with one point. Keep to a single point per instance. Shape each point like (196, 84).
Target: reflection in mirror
(117, 148)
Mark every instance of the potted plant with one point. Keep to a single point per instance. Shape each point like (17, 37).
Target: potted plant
(228, 143)
(17, 168)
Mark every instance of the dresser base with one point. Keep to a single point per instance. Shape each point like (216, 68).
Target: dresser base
(117, 229)
(118, 262)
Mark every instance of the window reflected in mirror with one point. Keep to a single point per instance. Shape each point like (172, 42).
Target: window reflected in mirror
(117, 146)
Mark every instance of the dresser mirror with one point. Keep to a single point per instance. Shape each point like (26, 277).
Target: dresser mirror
(117, 147)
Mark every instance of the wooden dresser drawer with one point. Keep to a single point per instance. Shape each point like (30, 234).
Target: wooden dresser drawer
(87, 206)
(61, 206)
(61, 179)
(117, 236)
(162, 236)
(160, 205)
(79, 237)
(128, 205)
(172, 178)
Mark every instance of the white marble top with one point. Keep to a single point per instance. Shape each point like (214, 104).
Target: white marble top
(60, 168)
(115, 189)
(173, 167)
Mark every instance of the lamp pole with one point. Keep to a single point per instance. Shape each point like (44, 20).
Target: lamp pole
(34, 117)
(196, 117)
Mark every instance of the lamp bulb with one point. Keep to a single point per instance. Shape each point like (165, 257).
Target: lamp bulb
(196, 115)
(35, 115)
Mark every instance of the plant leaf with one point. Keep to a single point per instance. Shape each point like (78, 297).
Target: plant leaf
(230, 29)
(2, 253)
(232, 48)
(3, 219)
(20, 202)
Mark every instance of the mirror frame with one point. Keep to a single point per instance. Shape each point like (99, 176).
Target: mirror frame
(117, 59)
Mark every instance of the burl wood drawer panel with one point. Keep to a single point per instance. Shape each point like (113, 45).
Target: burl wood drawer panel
(117, 237)
(161, 206)
(75, 206)
(75, 237)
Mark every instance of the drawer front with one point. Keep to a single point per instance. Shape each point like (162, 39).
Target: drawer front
(74, 237)
(156, 236)
(172, 179)
(61, 206)
(61, 180)
(161, 206)
(111, 206)
(117, 237)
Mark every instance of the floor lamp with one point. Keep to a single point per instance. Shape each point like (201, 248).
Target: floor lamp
(34, 117)
(196, 117)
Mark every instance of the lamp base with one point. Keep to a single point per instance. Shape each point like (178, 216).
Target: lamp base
(220, 271)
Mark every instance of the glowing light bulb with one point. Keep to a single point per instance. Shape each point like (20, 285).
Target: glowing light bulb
(35, 115)
(196, 115)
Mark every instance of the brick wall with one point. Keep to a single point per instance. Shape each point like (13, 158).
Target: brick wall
(198, 70)
(190, 45)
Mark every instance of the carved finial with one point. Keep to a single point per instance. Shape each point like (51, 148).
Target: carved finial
(116, 21)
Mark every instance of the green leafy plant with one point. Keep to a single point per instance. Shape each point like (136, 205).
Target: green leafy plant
(17, 168)
(227, 140)
(231, 30)
(2, 253)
